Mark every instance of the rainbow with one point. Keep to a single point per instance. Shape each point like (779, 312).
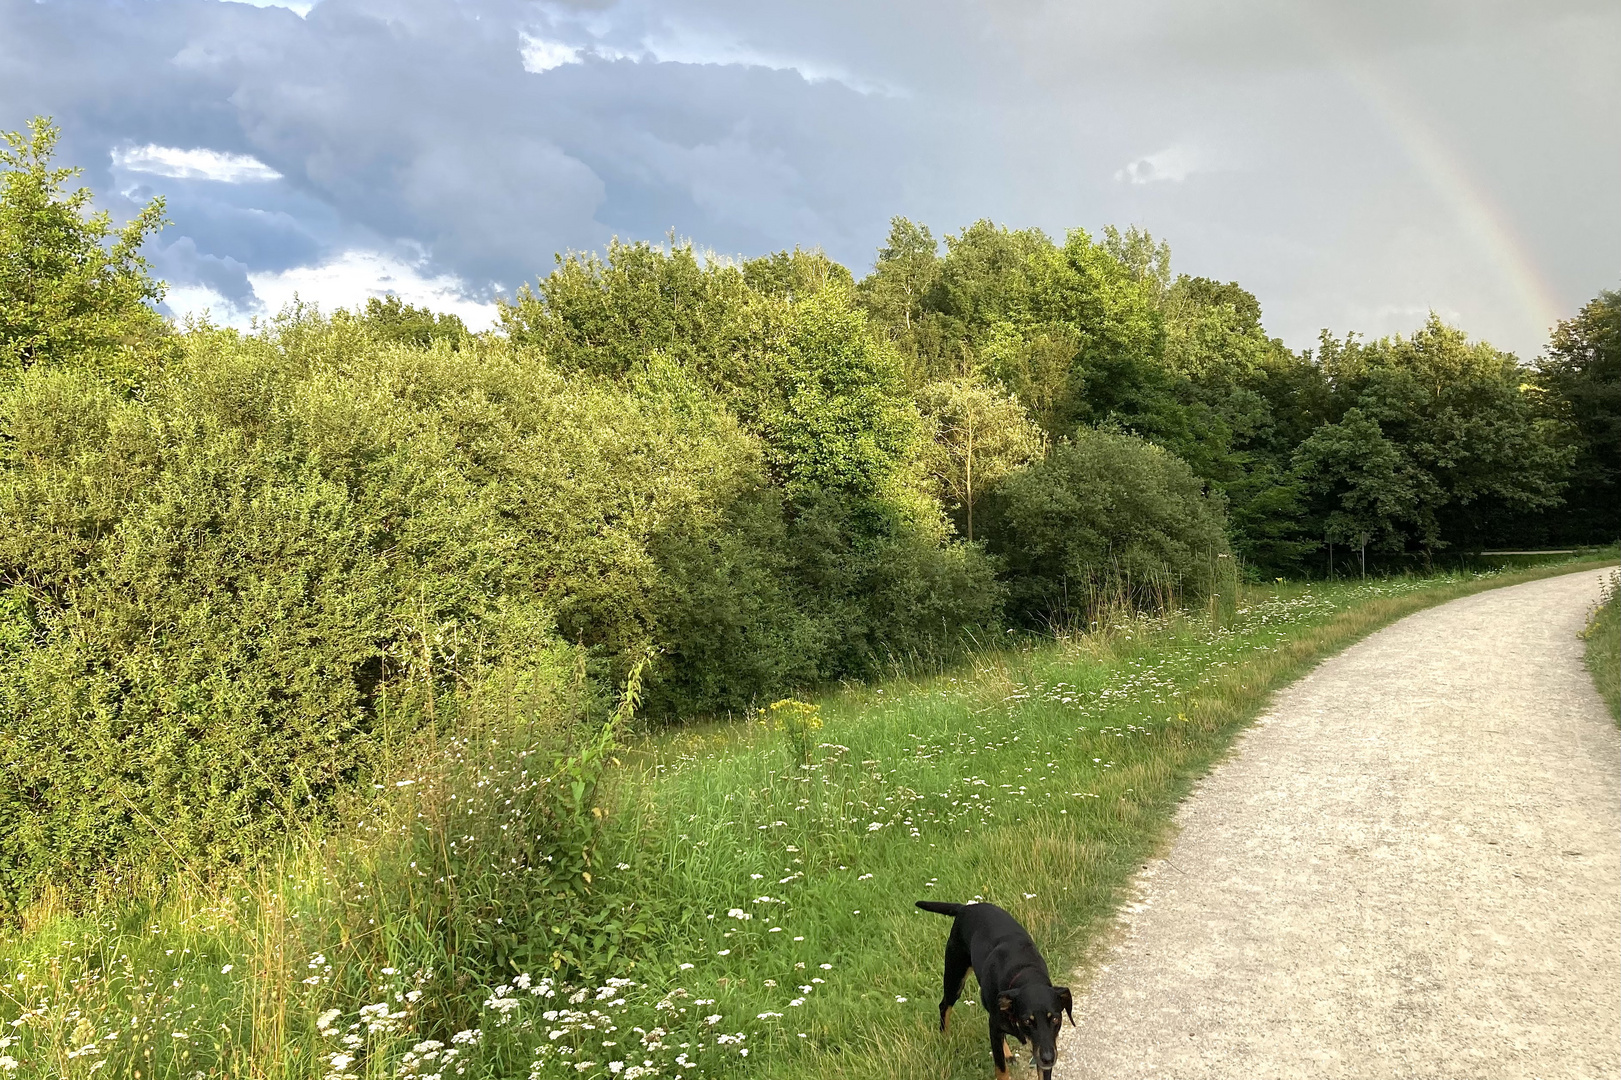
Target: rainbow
(1486, 221)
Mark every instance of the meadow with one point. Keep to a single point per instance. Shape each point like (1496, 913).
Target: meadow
(745, 899)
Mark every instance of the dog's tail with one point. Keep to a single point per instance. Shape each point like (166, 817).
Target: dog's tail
(942, 909)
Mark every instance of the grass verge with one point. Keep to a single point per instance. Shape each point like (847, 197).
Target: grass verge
(1603, 636)
(751, 892)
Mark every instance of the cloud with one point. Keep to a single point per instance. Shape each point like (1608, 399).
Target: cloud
(472, 139)
(541, 55)
(353, 276)
(301, 9)
(1173, 164)
(193, 164)
(231, 296)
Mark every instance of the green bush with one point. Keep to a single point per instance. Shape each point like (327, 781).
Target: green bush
(1105, 520)
(240, 593)
(840, 562)
(225, 598)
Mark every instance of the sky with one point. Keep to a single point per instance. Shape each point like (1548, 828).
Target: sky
(1354, 164)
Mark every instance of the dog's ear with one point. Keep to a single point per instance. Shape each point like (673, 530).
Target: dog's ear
(1067, 1002)
(1004, 1005)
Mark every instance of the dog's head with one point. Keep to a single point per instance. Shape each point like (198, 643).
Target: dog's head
(1034, 1014)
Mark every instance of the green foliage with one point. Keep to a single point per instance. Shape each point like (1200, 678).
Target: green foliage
(72, 288)
(840, 421)
(1247, 403)
(980, 435)
(778, 340)
(230, 597)
(1457, 429)
(1106, 520)
(393, 321)
(609, 316)
(1603, 652)
(1373, 492)
(838, 561)
(1579, 379)
(225, 599)
(1098, 333)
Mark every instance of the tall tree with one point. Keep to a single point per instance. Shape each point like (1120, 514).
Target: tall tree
(1145, 260)
(905, 271)
(1580, 380)
(73, 289)
(980, 434)
(1461, 413)
(1371, 491)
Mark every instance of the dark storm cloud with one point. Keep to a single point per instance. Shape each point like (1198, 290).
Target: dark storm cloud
(1354, 164)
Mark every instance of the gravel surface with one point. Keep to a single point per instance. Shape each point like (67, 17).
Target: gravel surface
(1410, 867)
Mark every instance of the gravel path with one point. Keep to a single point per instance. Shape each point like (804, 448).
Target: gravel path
(1410, 867)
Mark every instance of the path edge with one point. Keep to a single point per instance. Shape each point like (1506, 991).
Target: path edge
(1230, 707)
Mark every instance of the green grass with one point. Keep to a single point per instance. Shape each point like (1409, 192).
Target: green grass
(764, 901)
(1603, 636)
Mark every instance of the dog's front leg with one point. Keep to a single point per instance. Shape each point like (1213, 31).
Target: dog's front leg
(998, 1049)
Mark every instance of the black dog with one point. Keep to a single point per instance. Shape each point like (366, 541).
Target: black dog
(1014, 985)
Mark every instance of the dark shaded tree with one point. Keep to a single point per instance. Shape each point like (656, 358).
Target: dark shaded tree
(1579, 377)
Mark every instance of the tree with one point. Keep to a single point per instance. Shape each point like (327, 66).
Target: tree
(391, 319)
(1241, 393)
(905, 271)
(1371, 491)
(73, 289)
(980, 434)
(1462, 414)
(840, 421)
(1580, 382)
(1145, 260)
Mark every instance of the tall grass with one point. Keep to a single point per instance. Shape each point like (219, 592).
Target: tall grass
(1603, 635)
(738, 899)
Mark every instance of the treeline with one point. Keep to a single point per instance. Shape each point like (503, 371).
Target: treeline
(1408, 446)
(239, 572)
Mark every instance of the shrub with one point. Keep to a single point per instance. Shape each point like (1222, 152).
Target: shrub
(225, 600)
(237, 595)
(1105, 519)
